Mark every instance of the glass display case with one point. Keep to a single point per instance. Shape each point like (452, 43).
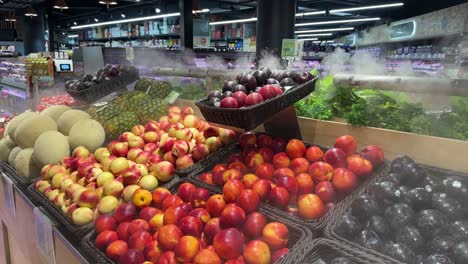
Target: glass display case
(13, 72)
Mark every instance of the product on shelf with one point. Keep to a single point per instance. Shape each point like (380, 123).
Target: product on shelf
(411, 214)
(60, 100)
(189, 225)
(251, 89)
(304, 181)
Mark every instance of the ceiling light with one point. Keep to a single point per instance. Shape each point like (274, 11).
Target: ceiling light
(337, 21)
(108, 2)
(63, 33)
(252, 19)
(204, 10)
(122, 15)
(313, 13)
(95, 19)
(30, 12)
(315, 35)
(126, 20)
(306, 39)
(324, 30)
(157, 10)
(72, 36)
(74, 23)
(60, 4)
(365, 7)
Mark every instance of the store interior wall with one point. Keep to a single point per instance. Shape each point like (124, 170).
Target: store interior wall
(19, 46)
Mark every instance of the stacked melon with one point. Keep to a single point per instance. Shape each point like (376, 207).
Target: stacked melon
(33, 140)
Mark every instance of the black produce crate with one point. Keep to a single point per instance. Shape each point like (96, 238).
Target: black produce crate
(299, 238)
(68, 228)
(316, 225)
(250, 117)
(22, 182)
(96, 92)
(330, 231)
(325, 250)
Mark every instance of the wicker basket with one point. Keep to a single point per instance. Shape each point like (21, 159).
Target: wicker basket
(299, 238)
(250, 117)
(101, 90)
(330, 232)
(326, 250)
(317, 225)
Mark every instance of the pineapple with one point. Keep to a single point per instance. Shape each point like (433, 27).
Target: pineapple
(121, 123)
(154, 88)
(152, 109)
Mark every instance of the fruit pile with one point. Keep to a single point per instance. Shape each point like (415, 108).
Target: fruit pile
(102, 75)
(251, 89)
(412, 216)
(290, 176)
(48, 101)
(190, 226)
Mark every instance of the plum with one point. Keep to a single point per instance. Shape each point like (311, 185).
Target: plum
(432, 183)
(341, 260)
(215, 101)
(239, 87)
(378, 224)
(365, 206)
(456, 187)
(449, 207)
(410, 236)
(216, 94)
(395, 177)
(429, 221)
(400, 252)
(438, 259)
(348, 227)
(386, 190)
(441, 244)
(261, 76)
(458, 230)
(419, 198)
(419, 259)
(273, 81)
(229, 86)
(460, 252)
(369, 239)
(287, 82)
(399, 215)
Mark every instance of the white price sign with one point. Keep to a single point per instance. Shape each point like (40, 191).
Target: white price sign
(44, 234)
(9, 194)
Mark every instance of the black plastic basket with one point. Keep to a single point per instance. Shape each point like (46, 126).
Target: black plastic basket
(22, 182)
(94, 93)
(325, 250)
(66, 225)
(330, 232)
(299, 238)
(317, 225)
(250, 117)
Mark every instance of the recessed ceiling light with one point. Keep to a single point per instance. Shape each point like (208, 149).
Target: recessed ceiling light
(122, 15)
(128, 20)
(315, 35)
(157, 10)
(337, 21)
(324, 30)
(74, 23)
(95, 19)
(365, 7)
(252, 19)
(306, 39)
(313, 13)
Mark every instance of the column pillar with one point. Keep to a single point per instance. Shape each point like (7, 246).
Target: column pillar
(34, 31)
(186, 23)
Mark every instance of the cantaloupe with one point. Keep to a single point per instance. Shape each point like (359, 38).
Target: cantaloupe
(30, 129)
(25, 165)
(4, 150)
(88, 133)
(55, 111)
(50, 147)
(12, 156)
(13, 124)
(8, 142)
(69, 118)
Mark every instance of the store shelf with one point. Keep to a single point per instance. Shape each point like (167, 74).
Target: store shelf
(134, 37)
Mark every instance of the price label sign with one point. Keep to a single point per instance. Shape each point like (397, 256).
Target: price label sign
(44, 234)
(172, 97)
(9, 194)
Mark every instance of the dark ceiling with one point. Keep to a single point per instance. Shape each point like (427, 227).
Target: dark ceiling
(82, 10)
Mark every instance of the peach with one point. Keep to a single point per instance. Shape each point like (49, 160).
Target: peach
(89, 199)
(139, 239)
(199, 198)
(157, 221)
(232, 174)
(321, 171)
(141, 168)
(119, 165)
(148, 212)
(206, 256)
(168, 237)
(186, 249)
(71, 208)
(359, 166)
(275, 234)
(116, 249)
(264, 140)
(278, 254)
(344, 180)
(184, 134)
(169, 157)
(125, 212)
(120, 149)
(61, 200)
(132, 256)
(265, 171)
(173, 118)
(374, 154)
(41, 185)
(125, 136)
(138, 225)
(180, 148)
(346, 143)
(232, 189)
(152, 252)
(232, 216)
(202, 214)
(106, 162)
(211, 131)
(305, 184)
(227, 136)
(262, 187)
(45, 171)
(80, 152)
(191, 121)
(104, 239)
(253, 160)
(249, 179)
(171, 200)
(295, 148)
(314, 154)
(281, 160)
(267, 154)
(185, 191)
(228, 244)
(152, 126)
(66, 162)
(191, 226)
(200, 152)
(136, 142)
(164, 171)
(254, 224)
(75, 194)
(108, 204)
(215, 205)
(187, 110)
(143, 157)
(151, 137)
(142, 198)
(247, 139)
(325, 191)
(65, 183)
(148, 182)
(257, 252)
(113, 188)
(104, 222)
(167, 257)
(174, 214)
(212, 227)
(104, 178)
(122, 231)
(240, 166)
(82, 216)
(158, 196)
(336, 157)
(151, 147)
(213, 144)
(279, 197)
(248, 200)
(310, 206)
(57, 180)
(299, 165)
(184, 162)
(138, 130)
(132, 154)
(128, 192)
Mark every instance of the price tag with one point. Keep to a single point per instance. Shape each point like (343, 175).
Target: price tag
(172, 97)
(9, 194)
(44, 234)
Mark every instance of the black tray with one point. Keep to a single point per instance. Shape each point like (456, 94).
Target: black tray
(11, 172)
(330, 232)
(250, 117)
(299, 238)
(101, 90)
(317, 225)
